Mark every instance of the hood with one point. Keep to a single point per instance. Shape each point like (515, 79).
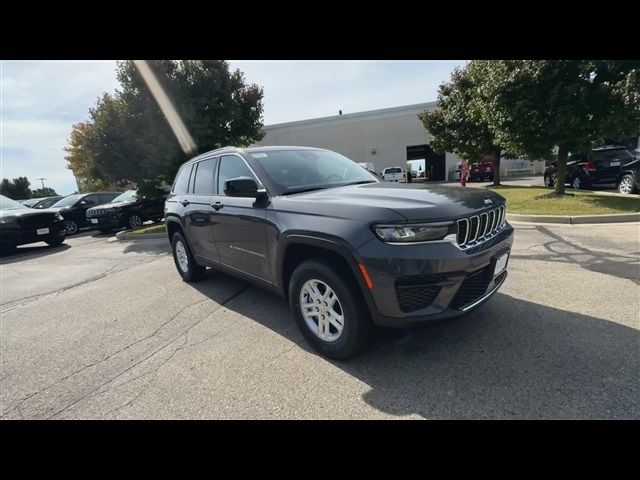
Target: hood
(413, 202)
(111, 205)
(26, 212)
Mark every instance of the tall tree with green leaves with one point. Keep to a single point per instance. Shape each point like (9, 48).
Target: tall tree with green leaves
(535, 106)
(16, 189)
(43, 192)
(128, 138)
(456, 127)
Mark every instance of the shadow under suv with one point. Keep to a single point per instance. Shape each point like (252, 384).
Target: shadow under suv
(345, 249)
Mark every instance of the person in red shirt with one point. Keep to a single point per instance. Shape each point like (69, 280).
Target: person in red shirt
(464, 173)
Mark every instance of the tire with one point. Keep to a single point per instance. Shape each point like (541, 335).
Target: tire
(627, 184)
(55, 242)
(134, 221)
(316, 275)
(186, 265)
(578, 183)
(548, 181)
(72, 227)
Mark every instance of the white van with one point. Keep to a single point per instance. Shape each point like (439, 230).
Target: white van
(393, 174)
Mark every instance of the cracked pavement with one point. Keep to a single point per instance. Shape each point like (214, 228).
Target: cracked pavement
(107, 330)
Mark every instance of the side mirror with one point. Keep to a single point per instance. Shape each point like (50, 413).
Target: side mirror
(242, 187)
(82, 203)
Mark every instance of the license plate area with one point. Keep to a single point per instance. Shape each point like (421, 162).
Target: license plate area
(501, 264)
(94, 220)
(42, 231)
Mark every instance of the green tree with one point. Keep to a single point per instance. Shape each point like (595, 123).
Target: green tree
(128, 138)
(16, 189)
(456, 127)
(43, 192)
(535, 106)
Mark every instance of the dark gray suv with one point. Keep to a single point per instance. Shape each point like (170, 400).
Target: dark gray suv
(345, 249)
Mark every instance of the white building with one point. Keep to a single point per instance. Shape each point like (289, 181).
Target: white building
(387, 138)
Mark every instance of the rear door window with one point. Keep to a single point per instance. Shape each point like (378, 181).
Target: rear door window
(203, 183)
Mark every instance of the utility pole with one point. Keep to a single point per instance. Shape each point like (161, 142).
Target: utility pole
(42, 180)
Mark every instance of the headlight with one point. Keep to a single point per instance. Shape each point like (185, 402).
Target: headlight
(412, 233)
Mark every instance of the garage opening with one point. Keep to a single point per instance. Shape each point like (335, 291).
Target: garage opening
(434, 163)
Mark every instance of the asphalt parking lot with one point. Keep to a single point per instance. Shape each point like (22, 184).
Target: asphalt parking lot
(99, 329)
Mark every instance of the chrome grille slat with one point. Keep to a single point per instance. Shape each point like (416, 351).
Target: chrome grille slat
(480, 228)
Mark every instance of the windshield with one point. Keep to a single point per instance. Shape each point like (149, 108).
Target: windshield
(620, 154)
(46, 203)
(128, 196)
(301, 170)
(67, 201)
(8, 204)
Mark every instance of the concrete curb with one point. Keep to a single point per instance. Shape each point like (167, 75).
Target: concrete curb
(124, 235)
(575, 220)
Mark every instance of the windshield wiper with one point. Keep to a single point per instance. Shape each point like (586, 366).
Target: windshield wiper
(361, 182)
(303, 189)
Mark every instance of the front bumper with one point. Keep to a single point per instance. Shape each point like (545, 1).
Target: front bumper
(414, 284)
(106, 221)
(23, 235)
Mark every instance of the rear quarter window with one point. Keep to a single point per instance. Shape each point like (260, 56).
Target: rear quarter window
(181, 183)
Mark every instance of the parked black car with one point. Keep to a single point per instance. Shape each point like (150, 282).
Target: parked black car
(346, 249)
(604, 167)
(629, 180)
(127, 210)
(20, 225)
(41, 203)
(74, 207)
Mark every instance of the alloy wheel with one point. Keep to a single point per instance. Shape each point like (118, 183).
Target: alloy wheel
(321, 310)
(626, 185)
(181, 256)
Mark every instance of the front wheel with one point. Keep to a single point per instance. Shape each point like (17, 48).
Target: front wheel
(548, 181)
(627, 185)
(579, 184)
(55, 242)
(187, 267)
(72, 227)
(328, 309)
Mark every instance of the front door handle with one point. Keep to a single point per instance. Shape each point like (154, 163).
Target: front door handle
(217, 206)
(185, 203)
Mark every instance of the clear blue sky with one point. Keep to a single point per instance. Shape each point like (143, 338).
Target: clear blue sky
(41, 100)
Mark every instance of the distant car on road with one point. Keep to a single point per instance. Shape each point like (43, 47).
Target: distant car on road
(482, 170)
(20, 225)
(629, 181)
(74, 207)
(393, 174)
(603, 168)
(126, 211)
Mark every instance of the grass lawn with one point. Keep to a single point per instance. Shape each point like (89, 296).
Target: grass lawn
(522, 200)
(150, 229)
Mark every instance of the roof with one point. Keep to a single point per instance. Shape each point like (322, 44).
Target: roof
(353, 116)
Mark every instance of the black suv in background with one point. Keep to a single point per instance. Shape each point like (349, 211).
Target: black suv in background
(20, 225)
(344, 248)
(74, 207)
(603, 168)
(128, 210)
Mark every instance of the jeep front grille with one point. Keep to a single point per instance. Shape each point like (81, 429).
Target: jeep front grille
(476, 229)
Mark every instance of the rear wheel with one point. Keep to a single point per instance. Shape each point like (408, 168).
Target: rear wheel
(328, 309)
(134, 221)
(187, 267)
(627, 184)
(548, 181)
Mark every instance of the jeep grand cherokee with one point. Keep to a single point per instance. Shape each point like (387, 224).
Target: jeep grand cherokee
(345, 249)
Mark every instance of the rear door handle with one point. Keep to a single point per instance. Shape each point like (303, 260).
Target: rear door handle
(185, 203)
(217, 205)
